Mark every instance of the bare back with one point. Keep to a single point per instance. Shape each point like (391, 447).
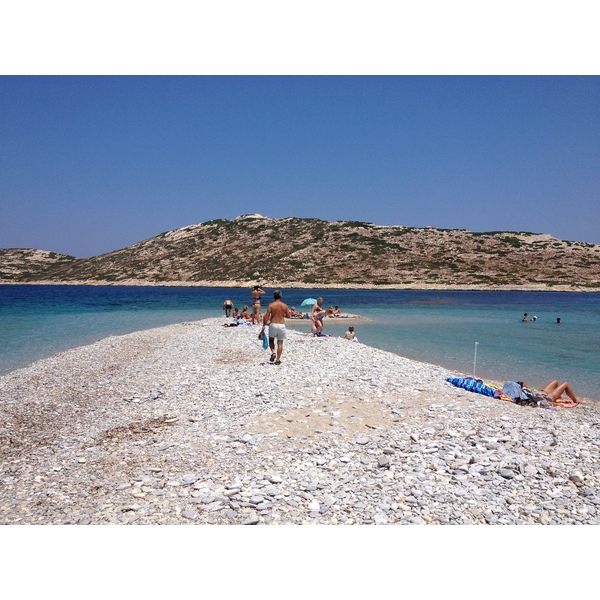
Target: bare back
(277, 312)
(256, 294)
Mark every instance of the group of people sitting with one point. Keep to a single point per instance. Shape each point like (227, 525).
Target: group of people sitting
(329, 312)
(318, 313)
(241, 318)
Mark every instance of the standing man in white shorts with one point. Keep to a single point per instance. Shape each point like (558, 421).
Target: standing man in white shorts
(275, 317)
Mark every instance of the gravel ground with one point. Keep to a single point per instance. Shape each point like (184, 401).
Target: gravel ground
(192, 424)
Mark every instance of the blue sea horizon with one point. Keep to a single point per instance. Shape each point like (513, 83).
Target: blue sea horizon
(439, 327)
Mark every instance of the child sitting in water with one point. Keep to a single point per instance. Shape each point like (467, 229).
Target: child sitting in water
(350, 335)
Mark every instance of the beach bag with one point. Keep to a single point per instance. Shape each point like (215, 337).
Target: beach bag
(265, 342)
(535, 398)
(525, 402)
(261, 336)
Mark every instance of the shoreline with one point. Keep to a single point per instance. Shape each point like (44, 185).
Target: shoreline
(311, 286)
(353, 319)
(190, 423)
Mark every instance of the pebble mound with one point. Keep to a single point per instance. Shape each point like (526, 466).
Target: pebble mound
(191, 423)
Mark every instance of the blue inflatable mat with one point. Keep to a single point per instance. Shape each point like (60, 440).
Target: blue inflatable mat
(472, 385)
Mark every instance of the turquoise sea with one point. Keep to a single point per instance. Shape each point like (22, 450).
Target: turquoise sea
(441, 327)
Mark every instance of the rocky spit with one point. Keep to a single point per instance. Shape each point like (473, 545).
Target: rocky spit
(191, 424)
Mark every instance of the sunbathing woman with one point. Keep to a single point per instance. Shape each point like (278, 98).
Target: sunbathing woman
(555, 390)
(552, 392)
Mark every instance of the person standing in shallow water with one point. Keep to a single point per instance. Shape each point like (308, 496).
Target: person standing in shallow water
(277, 313)
(228, 308)
(257, 292)
(318, 312)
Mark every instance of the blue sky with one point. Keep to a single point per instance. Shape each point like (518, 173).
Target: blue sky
(94, 163)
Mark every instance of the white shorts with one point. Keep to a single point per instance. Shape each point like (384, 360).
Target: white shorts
(277, 331)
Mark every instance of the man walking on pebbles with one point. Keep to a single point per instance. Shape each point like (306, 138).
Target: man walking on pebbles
(275, 317)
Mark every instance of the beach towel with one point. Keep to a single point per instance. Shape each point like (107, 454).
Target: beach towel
(474, 385)
(265, 342)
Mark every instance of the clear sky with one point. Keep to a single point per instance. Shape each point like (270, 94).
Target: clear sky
(90, 164)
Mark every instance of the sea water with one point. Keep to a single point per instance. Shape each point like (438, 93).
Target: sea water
(477, 333)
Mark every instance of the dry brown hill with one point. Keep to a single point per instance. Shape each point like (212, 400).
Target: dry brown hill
(310, 252)
(21, 264)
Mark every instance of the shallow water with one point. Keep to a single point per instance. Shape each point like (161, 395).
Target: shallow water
(440, 327)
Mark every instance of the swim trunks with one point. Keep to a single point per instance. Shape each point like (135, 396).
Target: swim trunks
(277, 331)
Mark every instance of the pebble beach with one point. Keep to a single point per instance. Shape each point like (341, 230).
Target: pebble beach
(191, 424)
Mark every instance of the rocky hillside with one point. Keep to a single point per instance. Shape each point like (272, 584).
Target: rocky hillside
(310, 252)
(22, 264)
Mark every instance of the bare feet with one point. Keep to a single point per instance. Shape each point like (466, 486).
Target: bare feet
(566, 403)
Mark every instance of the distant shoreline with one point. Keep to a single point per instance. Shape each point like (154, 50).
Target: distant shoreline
(313, 286)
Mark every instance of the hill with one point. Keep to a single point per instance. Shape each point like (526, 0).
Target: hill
(297, 252)
(22, 264)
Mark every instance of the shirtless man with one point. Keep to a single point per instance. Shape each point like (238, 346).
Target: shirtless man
(277, 313)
